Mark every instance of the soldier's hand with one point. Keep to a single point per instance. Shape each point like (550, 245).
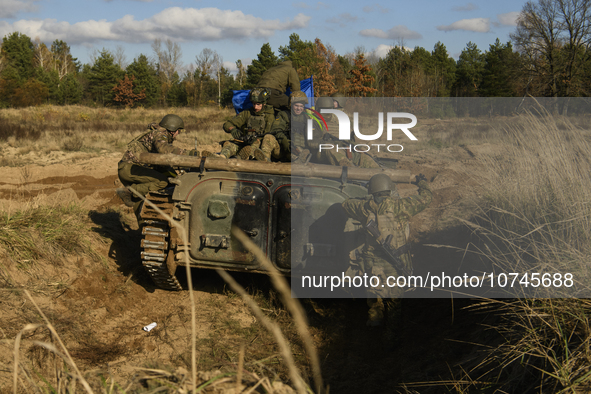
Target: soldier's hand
(420, 177)
(236, 133)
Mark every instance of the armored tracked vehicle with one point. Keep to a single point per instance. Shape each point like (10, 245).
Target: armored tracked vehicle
(280, 207)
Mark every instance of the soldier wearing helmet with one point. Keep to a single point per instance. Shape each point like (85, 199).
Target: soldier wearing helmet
(144, 178)
(290, 130)
(277, 79)
(248, 128)
(392, 216)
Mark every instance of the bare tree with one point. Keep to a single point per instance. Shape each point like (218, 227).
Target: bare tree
(169, 60)
(120, 58)
(554, 36)
(208, 65)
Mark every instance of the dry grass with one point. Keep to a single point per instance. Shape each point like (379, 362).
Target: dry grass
(536, 217)
(76, 128)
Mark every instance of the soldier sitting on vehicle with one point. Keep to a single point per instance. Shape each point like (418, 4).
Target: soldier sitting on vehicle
(144, 178)
(290, 129)
(386, 251)
(248, 129)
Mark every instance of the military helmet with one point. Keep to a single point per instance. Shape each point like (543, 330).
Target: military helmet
(338, 97)
(259, 95)
(298, 97)
(172, 123)
(379, 183)
(324, 103)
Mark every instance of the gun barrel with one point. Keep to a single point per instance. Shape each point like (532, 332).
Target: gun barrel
(251, 166)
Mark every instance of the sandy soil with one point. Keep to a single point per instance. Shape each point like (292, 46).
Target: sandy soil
(100, 307)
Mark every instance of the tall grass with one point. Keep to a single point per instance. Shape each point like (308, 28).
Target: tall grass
(536, 217)
(77, 128)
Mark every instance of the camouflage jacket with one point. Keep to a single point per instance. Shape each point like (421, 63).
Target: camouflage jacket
(294, 128)
(261, 122)
(280, 77)
(392, 216)
(155, 140)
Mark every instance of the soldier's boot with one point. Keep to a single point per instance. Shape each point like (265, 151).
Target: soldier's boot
(125, 195)
(247, 152)
(260, 155)
(376, 312)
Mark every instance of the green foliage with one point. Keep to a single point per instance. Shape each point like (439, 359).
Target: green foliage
(146, 79)
(102, 77)
(18, 51)
(298, 51)
(264, 61)
(469, 71)
(498, 76)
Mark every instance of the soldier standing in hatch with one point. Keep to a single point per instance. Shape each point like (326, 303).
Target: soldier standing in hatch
(248, 128)
(278, 79)
(144, 178)
(391, 215)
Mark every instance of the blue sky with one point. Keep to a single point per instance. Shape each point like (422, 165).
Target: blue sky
(238, 29)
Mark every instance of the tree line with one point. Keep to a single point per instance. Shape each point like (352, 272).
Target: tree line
(548, 56)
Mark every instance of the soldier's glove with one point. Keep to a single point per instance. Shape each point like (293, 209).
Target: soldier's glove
(236, 133)
(250, 139)
(328, 137)
(193, 152)
(419, 178)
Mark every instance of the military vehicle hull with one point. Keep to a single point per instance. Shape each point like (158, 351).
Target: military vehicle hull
(281, 214)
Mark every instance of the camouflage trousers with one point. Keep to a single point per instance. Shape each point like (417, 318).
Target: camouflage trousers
(362, 160)
(143, 179)
(245, 152)
(385, 303)
(271, 148)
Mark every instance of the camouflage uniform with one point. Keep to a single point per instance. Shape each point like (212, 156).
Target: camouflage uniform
(343, 157)
(290, 132)
(144, 178)
(278, 79)
(248, 121)
(392, 216)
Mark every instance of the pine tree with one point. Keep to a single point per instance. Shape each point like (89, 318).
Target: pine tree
(264, 61)
(146, 80)
(103, 76)
(469, 71)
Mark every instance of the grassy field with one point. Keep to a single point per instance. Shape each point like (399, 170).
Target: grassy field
(530, 212)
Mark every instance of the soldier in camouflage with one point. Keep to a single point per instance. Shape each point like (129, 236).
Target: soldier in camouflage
(278, 79)
(144, 178)
(290, 130)
(248, 128)
(341, 157)
(392, 216)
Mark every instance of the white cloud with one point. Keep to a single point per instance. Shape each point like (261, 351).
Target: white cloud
(375, 7)
(343, 19)
(508, 19)
(395, 33)
(467, 7)
(177, 24)
(382, 50)
(478, 25)
(10, 8)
